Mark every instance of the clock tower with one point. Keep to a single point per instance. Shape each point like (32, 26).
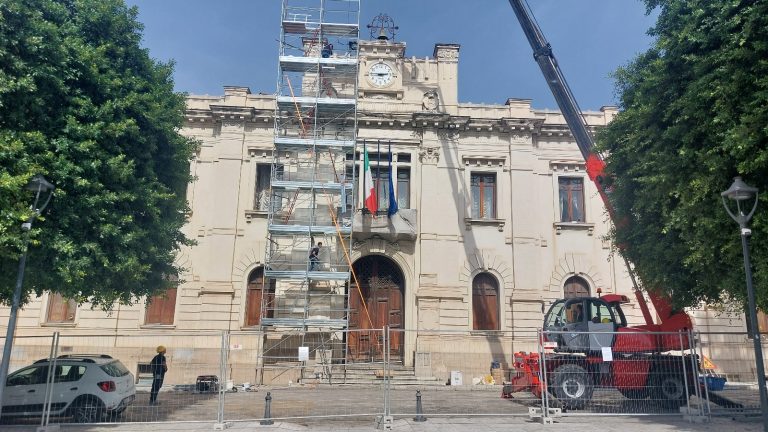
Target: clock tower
(381, 68)
(386, 74)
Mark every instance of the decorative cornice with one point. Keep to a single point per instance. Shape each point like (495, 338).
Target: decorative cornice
(520, 125)
(567, 166)
(447, 53)
(229, 114)
(373, 48)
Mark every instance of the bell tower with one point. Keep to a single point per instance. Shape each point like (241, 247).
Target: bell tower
(381, 61)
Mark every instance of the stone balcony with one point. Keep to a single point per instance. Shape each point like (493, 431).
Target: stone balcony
(402, 226)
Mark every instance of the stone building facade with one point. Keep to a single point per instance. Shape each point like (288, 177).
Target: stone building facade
(496, 219)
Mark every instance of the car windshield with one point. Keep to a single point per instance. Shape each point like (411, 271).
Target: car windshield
(115, 369)
(555, 317)
(29, 376)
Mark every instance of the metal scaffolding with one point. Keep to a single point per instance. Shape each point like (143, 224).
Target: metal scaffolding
(312, 198)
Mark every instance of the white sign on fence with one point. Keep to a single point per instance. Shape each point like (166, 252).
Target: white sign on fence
(607, 354)
(549, 345)
(456, 378)
(303, 353)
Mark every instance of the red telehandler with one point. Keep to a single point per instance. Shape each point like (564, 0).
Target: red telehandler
(578, 328)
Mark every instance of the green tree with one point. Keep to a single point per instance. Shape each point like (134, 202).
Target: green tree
(694, 114)
(83, 104)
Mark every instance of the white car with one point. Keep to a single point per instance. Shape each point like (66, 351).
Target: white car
(84, 386)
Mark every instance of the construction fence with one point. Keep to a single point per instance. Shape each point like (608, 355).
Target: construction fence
(377, 375)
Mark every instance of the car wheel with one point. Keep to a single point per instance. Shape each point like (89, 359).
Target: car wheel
(572, 386)
(116, 413)
(668, 389)
(87, 411)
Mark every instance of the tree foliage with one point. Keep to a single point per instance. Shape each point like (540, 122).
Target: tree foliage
(83, 104)
(694, 115)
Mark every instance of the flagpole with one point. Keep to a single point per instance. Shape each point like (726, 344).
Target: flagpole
(389, 185)
(389, 150)
(365, 151)
(378, 171)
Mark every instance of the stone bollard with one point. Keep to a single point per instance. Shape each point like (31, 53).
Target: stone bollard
(267, 411)
(419, 412)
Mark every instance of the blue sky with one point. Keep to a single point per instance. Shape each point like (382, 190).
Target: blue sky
(234, 42)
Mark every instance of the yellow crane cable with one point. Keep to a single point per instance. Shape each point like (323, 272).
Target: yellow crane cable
(346, 255)
(298, 110)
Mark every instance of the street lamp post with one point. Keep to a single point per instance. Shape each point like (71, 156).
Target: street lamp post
(41, 187)
(742, 193)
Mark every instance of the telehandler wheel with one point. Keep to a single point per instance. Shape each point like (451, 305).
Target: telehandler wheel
(637, 394)
(668, 389)
(572, 386)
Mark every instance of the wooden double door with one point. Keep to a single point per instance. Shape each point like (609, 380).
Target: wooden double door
(378, 304)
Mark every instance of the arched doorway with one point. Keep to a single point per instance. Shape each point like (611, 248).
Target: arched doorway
(258, 292)
(575, 286)
(382, 287)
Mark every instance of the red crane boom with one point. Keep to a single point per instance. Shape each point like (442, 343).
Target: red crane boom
(670, 320)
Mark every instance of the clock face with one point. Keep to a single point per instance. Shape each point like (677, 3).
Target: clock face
(381, 74)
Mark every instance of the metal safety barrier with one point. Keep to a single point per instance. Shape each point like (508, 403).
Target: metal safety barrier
(376, 374)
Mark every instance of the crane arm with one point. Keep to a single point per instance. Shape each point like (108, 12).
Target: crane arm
(595, 165)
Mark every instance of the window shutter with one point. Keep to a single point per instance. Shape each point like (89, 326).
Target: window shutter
(485, 302)
(161, 308)
(60, 310)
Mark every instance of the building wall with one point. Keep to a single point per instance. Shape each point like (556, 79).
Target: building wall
(525, 247)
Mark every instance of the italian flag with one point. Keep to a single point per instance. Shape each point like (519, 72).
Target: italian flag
(370, 196)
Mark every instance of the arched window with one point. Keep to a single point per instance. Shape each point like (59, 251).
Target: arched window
(256, 292)
(485, 302)
(575, 286)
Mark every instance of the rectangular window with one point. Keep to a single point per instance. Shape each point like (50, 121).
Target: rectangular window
(352, 172)
(60, 310)
(380, 176)
(262, 197)
(161, 308)
(483, 190)
(571, 199)
(403, 188)
(68, 373)
(261, 201)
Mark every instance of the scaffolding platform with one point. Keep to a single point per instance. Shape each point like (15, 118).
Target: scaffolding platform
(327, 104)
(294, 144)
(307, 275)
(330, 66)
(320, 186)
(326, 29)
(311, 229)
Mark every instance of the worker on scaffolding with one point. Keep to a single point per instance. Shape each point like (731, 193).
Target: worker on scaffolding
(327, 50)
(314, 256)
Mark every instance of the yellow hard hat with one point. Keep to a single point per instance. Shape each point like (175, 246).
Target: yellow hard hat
(160, 349)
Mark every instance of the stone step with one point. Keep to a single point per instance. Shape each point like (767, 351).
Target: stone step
(381, 378)
(374, 372)
(372, 366)
(397, 383)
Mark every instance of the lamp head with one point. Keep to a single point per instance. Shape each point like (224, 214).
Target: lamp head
(39, 183)
(739, 190)
(741, 193)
